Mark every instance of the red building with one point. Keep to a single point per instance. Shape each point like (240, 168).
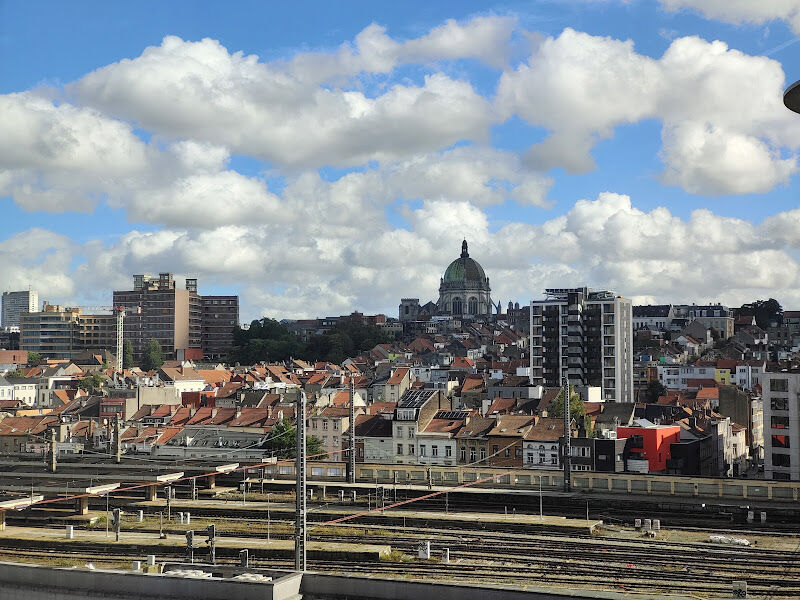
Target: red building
(651, 443)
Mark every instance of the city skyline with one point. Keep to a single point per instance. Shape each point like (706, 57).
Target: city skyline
(320, 166)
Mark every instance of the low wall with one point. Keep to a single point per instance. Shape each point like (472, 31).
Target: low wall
(30, 582)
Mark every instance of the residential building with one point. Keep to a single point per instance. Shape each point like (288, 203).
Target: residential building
(781, 394)
(15, 304)
(437, 441)
(653, 318)
(59, 332)
(586, 335)
(399, 381)
(413, 413)
(185, 324)
(156, 309)
(713, 316)
(541, 444)
(374, 438)
(506, 439)
(220, 314)
(649, 448)
(473, 445)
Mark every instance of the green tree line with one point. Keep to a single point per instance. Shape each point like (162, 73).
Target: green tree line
(269, 340)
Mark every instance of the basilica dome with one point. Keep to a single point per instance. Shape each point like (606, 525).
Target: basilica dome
(464, 291)
(464, 268)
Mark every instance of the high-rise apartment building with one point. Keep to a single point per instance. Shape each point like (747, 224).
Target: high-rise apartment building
(220, 315)
(587, 335)
(185, 325)
(58, 332)
(781, 409)
(16, 303)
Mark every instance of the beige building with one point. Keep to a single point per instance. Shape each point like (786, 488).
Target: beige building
(62, 332)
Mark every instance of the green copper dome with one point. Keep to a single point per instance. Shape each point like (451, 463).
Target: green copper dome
(464, 268)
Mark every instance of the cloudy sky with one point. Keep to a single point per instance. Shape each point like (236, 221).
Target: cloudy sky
(321, 157)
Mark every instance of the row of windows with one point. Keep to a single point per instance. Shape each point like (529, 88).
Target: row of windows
(448, 450)
(314, 423)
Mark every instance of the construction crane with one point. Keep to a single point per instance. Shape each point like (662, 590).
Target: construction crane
(119, 311)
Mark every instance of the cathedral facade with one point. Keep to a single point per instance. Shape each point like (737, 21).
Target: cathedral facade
(464, 292)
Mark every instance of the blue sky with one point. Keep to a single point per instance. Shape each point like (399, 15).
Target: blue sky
(328, 175)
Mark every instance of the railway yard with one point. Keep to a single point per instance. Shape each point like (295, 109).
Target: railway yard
(491, 538)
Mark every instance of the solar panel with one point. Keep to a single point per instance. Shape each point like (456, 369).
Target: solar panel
(415, 398)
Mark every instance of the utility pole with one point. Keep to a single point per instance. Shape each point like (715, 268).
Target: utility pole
(300, 487)
(190, 546)
(117, 442)
(117, 523)
(567, 434)
(212, 543)
(351, 476)
(53, 450)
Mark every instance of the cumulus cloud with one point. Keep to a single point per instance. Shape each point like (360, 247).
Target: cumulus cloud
(199, 90)
(742, 11)
(724, 127)
(606, 242)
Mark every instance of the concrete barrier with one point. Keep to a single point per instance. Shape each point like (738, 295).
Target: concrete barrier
(31, 582)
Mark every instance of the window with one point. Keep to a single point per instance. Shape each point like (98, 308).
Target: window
(781, 460)
(411, 433)
(448, 451)
(313, 423)
(324, 425)
(422, 450)
(434, 450)
(779, 404)
(508, 452)
(400, 432)
(529, 459)
(410, 449)
(495, 448)
(324, 439)
(780, 441)
(400, 448)
(518, 452)
(778, 385)
(779, 422)
(483, 453)
(336, 425)
(336, 440)
(462, 454)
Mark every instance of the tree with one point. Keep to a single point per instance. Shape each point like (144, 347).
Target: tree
(127, 355)
(655, 389)
(577, 408)
(282, 441)
(91, 383)
(34, 357)
(16, 373)
(153, 356)
(765, 312)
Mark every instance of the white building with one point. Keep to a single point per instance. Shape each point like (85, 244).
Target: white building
(586, 335)
(653, 318)
(16, 303)
(781, 394)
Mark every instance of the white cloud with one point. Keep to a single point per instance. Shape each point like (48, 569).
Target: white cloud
(61, 157)
(742, 11)
(607, 243)
(199, 90)
(724, 127)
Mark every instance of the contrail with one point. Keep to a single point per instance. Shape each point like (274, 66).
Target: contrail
(780, 47)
